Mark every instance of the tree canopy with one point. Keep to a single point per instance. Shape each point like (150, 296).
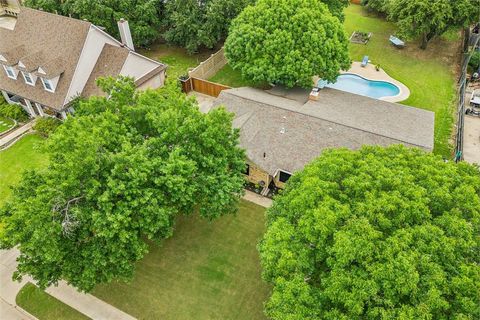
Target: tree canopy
(144, 15)
(193, 24)
(287, 42)
(426, 19)
(120, 171)
(380, 233)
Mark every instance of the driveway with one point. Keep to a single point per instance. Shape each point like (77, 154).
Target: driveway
(471, 139)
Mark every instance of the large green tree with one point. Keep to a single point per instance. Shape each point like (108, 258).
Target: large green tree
(336, 7)
(427, 19)
(194, 24)
(287, 42)
(380, 233)
(120, 171)
(144, 15)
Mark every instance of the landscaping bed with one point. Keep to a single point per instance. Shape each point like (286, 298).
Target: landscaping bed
(360, 37)
(5, 124)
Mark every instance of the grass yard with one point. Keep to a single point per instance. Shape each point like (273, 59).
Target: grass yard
(24, 154)
(5, 124)
(177, 59)
(429, 74)
(45, 307)
(207, 270)
(230, 77)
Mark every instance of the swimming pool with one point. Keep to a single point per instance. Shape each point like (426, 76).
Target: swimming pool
(371, 88)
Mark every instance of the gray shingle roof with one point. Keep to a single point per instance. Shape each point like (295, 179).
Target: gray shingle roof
(279, 133)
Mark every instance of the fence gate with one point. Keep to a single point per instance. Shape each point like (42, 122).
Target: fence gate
(206, 87)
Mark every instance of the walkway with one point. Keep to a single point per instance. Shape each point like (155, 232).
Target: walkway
(15, 134)
(9, 288)
(257, 199)
(84, 303)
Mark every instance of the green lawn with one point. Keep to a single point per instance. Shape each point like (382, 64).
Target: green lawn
(24, 154)
(177, 59)
(429, 74)
(44, 306)
(230, 77)
(5, 124)
(207, 270)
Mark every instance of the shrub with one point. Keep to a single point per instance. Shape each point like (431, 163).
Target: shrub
(13, 111)
(474, 62)
(46, 126)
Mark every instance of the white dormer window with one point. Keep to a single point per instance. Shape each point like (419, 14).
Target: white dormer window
(10, 72)
(28, 78)
(47, 84)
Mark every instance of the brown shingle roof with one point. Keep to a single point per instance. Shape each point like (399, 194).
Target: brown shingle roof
(13, 54)
(291, 134)
(109, 63)
(54, 35)
(53, 68)
(32, 61)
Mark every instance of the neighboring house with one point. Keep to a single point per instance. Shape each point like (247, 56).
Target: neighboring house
(282, 135)
(48, 60)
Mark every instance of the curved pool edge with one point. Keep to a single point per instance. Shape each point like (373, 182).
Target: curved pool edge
(370, 73)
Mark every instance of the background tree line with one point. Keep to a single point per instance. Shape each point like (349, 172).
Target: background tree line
(191, 24)
(426, 19)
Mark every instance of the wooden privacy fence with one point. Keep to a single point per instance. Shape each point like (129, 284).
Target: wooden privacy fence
(206, 87)
(197, 77)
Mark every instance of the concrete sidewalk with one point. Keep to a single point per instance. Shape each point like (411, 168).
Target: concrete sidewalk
(4, 141)
(257, 199)
(84, 303)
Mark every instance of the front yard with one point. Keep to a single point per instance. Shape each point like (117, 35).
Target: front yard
(207, 270)
(5, 124)
(44, 306)
(24, 154)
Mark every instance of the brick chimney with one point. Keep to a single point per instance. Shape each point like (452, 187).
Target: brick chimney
(125, 34)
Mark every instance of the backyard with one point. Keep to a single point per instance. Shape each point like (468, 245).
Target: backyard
(177, 59)
(429, 74)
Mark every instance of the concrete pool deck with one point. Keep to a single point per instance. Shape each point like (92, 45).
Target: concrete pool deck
(370, 73)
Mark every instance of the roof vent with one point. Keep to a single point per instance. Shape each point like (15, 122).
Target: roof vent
(125, 34)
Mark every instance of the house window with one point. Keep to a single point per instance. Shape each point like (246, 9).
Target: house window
(47, 85)
(10, 72)
(284, 176)
(28, 78)
(247, 170)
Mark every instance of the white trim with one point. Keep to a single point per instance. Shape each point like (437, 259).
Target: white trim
(11, 69)
(40, 70)
(29, 75)
(20, 64)
(49, 83)
(284, 171)
(120, 44)
(40, 109)
(3, 58)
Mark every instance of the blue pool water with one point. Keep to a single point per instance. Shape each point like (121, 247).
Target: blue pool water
(370, 88)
